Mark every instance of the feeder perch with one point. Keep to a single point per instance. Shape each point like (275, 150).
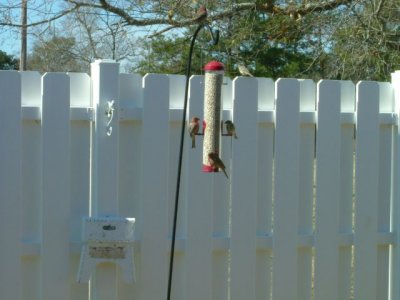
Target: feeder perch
(214, 73)
(107, 239)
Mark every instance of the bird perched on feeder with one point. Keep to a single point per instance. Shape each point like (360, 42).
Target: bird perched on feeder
(216, 162)
(230, 128)
(244, 71)
(201, 15)
(194, 129)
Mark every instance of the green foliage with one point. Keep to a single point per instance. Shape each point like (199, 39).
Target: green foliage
(252, 40)
(347, 39)
(8, 62)
(357, 41)
(162, 55)
(367, 45)
(169, 54)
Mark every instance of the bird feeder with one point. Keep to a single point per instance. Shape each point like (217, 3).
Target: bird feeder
(107, 239)
(214, 73)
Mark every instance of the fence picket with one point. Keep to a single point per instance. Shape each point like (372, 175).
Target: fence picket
(386, 104)
(395, 191)
(154, 214)
(80, 176)
(129, 189)
(31, 182)
(328, 170)
(265, 154)
(306, 181)
(220, 188)
(10, 192)
(287, 131)
(176, 96)
(56, 187)
(244, 192)
(367, 162)
(346, 200)
(199, 244)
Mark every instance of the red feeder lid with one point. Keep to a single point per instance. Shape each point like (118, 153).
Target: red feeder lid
(214, 66)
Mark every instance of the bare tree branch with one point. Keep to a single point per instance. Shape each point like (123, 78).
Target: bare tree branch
(268, 7)
(82, 20)
(44, 21)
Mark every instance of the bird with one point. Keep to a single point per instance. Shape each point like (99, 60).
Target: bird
(201, 15)
(230, 128)
(244, 71)
(170, 15)
(216, 162)
(194, 129)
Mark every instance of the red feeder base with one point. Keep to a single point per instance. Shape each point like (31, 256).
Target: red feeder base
(209, 169)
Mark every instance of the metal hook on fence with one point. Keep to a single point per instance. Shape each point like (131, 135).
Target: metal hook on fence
(110, 115)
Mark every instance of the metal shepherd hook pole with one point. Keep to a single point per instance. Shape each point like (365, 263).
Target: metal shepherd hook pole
(178, 180)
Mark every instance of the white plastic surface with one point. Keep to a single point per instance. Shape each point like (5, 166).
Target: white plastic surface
(107, 239)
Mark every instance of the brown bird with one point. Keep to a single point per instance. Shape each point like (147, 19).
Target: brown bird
(194, 129)
(216, 162)
(230, 128)
(170, 15)
(201, 15)
(244, 71)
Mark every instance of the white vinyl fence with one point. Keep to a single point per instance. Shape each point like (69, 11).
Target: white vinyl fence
(310, 210)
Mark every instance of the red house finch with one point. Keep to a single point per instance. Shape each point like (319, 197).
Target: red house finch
(193, 130)
(244, 71)
(230, 128)
(201, 15)
(216, 162)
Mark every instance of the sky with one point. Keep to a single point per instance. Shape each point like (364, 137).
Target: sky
(10, 36)
(37, 10)
(10, 43)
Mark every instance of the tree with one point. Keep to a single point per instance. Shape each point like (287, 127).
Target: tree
(237, 19)
(266, 51)
(372, 52)
(55, 54)
(307, 38)
(8, 62)
(99, 35)
(169, 54)
(24, 37)
(91, 35)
